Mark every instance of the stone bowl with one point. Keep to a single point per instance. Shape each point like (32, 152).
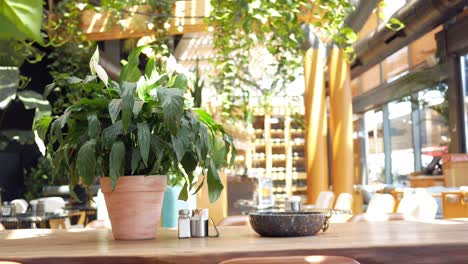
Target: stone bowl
(289, 224)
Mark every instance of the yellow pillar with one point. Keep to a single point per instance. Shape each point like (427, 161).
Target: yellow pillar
(218, 210)
(341, 122)
(316, 151)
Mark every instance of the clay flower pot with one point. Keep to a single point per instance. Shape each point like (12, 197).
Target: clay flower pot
(134, 206)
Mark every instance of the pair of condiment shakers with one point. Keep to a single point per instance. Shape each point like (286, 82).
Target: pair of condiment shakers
(195, 223)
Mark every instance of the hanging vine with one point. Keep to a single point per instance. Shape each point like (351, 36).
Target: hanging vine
(244, 27)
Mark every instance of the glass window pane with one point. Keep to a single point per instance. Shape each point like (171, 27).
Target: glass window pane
(464, 77)
(375, 156)
(401, 136)
(434, 123)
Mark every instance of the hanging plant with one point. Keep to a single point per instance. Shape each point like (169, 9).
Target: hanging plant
(244, 27)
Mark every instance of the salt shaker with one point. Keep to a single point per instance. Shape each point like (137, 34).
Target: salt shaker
(184, 223)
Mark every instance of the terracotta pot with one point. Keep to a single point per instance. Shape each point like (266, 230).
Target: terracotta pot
(134, 206)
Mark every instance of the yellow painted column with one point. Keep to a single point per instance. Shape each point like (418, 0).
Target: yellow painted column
(341, 122)
(217, 210)
(316, 150)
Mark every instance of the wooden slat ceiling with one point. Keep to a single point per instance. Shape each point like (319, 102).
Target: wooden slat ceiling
(193, 46)
(186, 17)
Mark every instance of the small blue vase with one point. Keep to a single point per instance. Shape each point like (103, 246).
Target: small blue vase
(171, 206)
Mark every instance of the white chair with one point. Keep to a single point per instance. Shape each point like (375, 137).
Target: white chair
(344, 202)
(408, 205)
(325, 200)
(101, 207)
(21, 206)
(381, 204)
(427, 206)
(51, 204)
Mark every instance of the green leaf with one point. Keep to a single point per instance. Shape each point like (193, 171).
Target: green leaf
(200, 185)
(150, 68)
(189, 163)
(127, 107)
(178, 146)
(9, 79)
(25, 16)
(215, 187)
(32, 99)
(136, 158)
(180, 82)
(137, 106)
(144, 141)
(172, 104)
(115, 106)
(42, 126)
(86, 162)
(229, 146)
(130, 71)
(183, 195)
(218, 151)
(116, 162)
(94, 126)
(158, 146)
(110, 133)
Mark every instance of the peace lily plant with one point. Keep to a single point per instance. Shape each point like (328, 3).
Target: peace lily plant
(139, 125)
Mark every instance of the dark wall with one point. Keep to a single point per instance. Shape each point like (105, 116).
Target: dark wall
(17, 157)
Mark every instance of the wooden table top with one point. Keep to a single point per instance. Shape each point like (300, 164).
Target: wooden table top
(377, 242)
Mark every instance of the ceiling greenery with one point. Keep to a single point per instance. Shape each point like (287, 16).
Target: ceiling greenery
(245, 28)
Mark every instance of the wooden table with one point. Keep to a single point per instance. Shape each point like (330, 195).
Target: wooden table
(378, 242)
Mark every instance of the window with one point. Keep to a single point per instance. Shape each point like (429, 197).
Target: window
(375, 156)
(434, 123)
(464, 78)
(401, 138)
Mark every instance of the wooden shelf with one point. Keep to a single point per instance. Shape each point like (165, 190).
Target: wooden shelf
(276, 139)
(299, 189)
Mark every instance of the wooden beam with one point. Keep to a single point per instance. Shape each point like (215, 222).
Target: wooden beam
(186, 17)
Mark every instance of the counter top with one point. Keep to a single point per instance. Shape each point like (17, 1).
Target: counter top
(378, 242)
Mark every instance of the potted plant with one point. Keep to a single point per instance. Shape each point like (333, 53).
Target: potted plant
(132, 134)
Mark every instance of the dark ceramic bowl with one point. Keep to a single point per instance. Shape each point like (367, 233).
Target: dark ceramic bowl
(288, 224)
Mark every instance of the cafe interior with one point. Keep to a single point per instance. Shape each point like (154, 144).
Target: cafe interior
(250, 131)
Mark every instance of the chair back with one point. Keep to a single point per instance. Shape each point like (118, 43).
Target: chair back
(101, 208)
(408, 205)
(51, 204)
(21, 206)
(293, 260)
(344, 202)
(427, 206)
(381, 203)
(325, 200)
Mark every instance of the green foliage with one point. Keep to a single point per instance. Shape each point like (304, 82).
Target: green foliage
(242, 28)
(197, 87)
(138, 127)
(36, 178)
(21, 20)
